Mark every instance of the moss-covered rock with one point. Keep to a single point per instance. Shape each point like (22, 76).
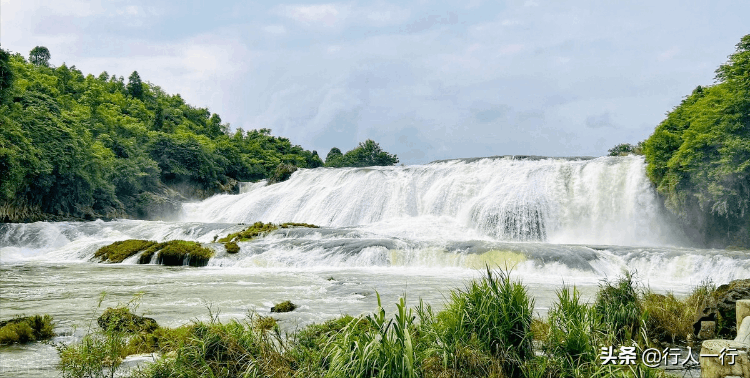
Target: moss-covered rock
(258, 229)
(172, 253)
(180, 252)
(282, 172)
(120, 319)
(121, 250)
(232, 247)
(285, 306)
(26, 329)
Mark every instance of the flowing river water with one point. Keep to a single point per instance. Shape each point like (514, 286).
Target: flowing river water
(415, 230)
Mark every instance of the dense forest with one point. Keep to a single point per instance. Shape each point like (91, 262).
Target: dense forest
(75, 146)
(699, 156)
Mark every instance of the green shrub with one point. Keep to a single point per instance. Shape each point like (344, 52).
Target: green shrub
(120, 250)
(26, 329)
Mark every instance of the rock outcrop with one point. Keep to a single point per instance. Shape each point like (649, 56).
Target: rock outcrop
(721, 308)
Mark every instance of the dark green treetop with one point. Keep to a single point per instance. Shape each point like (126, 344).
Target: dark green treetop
(39, 56)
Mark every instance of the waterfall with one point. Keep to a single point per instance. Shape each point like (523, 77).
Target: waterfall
(607, 200)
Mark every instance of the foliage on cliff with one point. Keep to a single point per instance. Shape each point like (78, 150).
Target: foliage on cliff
(366, 154)
(699, 156)
(85, 146)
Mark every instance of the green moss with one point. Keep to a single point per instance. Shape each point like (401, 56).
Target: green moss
(285, 306)
(180, 252)
(260, 228)
(172, 253)
(26, 329)
(121, 250)
(232, 247)
(120, 319)
(146, 256)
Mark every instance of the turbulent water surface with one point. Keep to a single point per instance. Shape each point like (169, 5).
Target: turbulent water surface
(420, 230)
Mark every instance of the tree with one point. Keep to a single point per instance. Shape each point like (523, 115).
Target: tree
(699, 156)
(623, 149)
(368, 154)
(6, 75)
(135, 86)
(39, 56)
(334, 158)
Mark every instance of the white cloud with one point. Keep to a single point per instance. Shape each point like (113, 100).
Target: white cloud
(668, 54)
(327, 15)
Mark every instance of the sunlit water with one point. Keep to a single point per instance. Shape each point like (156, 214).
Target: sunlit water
(419, 231)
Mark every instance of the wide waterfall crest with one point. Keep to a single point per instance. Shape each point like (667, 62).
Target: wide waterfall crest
(607, 200)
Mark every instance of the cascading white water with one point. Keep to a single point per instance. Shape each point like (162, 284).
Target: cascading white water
(607, 200)
(549, 217)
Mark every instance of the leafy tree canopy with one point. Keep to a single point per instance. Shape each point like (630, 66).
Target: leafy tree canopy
(84, 146)
(699, 156)
(40, 56)
(366, 154)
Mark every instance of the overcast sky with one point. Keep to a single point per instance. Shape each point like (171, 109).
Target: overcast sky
(427, 80)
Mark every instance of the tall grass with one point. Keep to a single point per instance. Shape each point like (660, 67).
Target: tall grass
(575, 330)
(386, 349)
(619, 307)
(485, 324)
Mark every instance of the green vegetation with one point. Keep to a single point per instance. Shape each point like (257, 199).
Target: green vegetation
(699, 156)
(282, 173)
(485, 330)
(258, 229)
(286, 306)
(232, 247)
(26, 329)
(367, 154)
(173, 253)
(180, 252)
(76, 146)
(624, 149)
(619, 306)
(121, 319)
(119, 251)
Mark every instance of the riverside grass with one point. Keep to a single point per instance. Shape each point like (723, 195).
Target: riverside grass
(485, 330)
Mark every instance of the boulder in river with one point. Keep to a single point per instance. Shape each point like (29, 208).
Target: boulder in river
(120, 319)
(285, 306)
